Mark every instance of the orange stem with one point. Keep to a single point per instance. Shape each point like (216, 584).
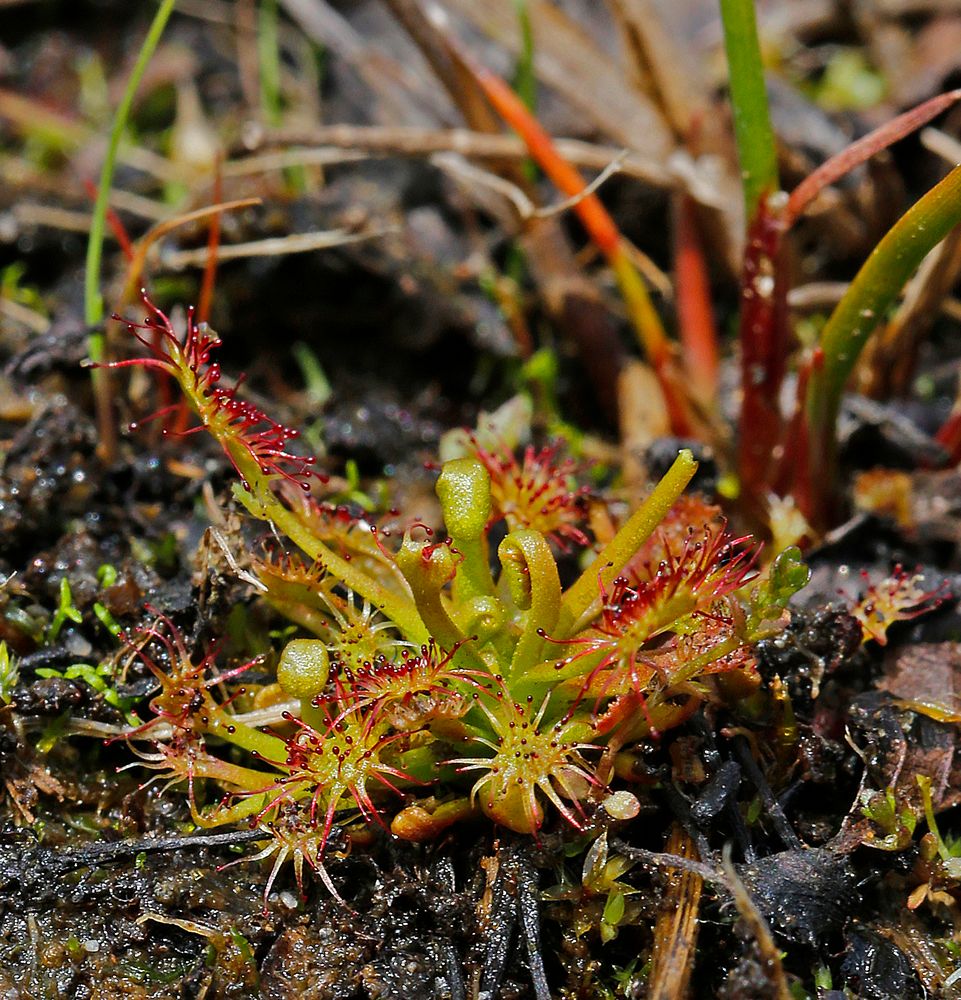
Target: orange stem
(695, 316)
(602, 230)
(118, 229)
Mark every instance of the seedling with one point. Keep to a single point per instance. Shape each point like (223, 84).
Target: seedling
(65, 612)
(9, 674)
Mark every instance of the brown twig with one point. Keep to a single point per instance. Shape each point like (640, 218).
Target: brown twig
(573, 303)
(275, 246)
(400, 93)
(248, 66)
(213, 245)
(447, 65)
(416, 141)
(675, 931)
(658, 64)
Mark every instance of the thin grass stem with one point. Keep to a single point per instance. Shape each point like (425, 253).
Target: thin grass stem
(756, 148)
(92, 296)
(268, 51)
(93, 300)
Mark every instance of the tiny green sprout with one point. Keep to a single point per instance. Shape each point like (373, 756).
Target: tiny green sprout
(627, 977)
(86, 672)
(53, 732)
(950, 853)
(938, 864)
(65, 612)
(161, 553)
(849, 83)
(102, 679)
(30, 624)
(601, 900)
(786, 575)
(613, 914)
(12, 287)
(107, 575)
(540, 372)
(107, 620)
(243, 946)
(602, 872)
(315, 379)
(9, 674)
(164, 554)
(895, 822)
(354, 493)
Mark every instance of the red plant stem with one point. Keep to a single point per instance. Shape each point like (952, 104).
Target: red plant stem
(764, 346)
(118, 229)
(595, 217)
(856, 317)
(949, 436)
(808, 461)
(856, 154)
(695, 316)
(793, 476)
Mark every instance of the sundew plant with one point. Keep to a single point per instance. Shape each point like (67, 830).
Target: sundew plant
(436, 678)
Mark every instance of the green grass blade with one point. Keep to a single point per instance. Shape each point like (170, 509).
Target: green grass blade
(525, 79)
(268, 50)
(93, 300)
(864, 305)
(752, 121)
